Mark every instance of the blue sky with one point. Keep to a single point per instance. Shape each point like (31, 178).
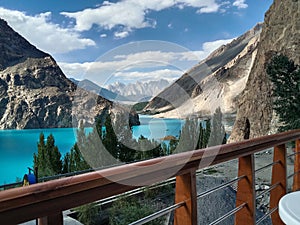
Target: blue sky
(108, 41)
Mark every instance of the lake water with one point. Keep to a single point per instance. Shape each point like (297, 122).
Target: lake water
(157, 128)
(17, 146)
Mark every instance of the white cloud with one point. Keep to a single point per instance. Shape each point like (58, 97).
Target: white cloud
(121, 34)
(146, 56)
(204, 6)
(240, 4)
(103, 35)
(155, 62)
(209, 47)
(156, 5)
(43, 34)
(132, 14)
(109, 15)
(152, 75)
(170, 26)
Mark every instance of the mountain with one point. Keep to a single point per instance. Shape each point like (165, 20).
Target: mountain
(280, 34)
(34, 92)
(139, 91)
(215, 82)
(92, 87)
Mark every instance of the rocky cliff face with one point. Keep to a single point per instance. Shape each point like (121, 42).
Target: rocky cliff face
(214, 82)
(34, 92)
(14, 48)
(280, 34)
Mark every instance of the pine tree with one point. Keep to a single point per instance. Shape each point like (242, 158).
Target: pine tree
(110, 139)
(201, 143)
(172, 146)
(127, 146)
(285, 76)
(147, 149)
(189, 136)
(206, 133)
(77, 162)
(66, 163)
(217, 129)
(96, 146)
(48, 158)
(42, 159)
(55, 162)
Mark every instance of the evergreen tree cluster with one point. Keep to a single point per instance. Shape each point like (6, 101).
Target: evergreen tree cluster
(49, 161)
(113, 144)
(217, 134)
(285, 76)
(48, 158)
(194, 135)
(74, 161)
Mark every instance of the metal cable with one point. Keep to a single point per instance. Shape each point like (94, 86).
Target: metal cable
(158, 214)
(230, 213)
(266, 215)
(219, 187)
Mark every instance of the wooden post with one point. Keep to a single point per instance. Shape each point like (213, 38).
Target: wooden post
(279, 175)
(56, 219)
(296, 182)
(186, 191)
(246, 191)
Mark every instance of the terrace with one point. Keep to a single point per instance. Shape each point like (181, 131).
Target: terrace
(49, 199)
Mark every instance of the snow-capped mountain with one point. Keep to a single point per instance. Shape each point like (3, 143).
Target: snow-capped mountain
(139, 91)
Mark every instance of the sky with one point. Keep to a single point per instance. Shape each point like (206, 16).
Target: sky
(130, 40)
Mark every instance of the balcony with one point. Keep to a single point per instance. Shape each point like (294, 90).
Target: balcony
(48, 200)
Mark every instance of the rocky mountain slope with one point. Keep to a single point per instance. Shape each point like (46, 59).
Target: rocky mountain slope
(139, 91)
(214, 82)
(34, 92)
(280, 34)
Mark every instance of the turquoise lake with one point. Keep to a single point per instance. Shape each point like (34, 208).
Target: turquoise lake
(17, 146)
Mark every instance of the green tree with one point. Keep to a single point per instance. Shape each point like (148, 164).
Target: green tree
(172, 146)
(201, 140)
(110, 139)
(78, 162)
(206, 133)
(55, 162)
(193, 136)
(285, 76)
(127, 145)
(66, 163)
(96, 146)
(147, 149)
(74, 161)
(40, 158)
(217, 129)
(48, 158)
(189, 136)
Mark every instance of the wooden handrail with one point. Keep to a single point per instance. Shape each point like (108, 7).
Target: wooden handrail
(53, 197)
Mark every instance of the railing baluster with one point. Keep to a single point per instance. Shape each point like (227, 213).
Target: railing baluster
(186, 191)
(56, 219)
(279, 175)
(246, 191)
(296, 183)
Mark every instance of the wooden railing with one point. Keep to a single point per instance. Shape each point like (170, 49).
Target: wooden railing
(48, 200)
